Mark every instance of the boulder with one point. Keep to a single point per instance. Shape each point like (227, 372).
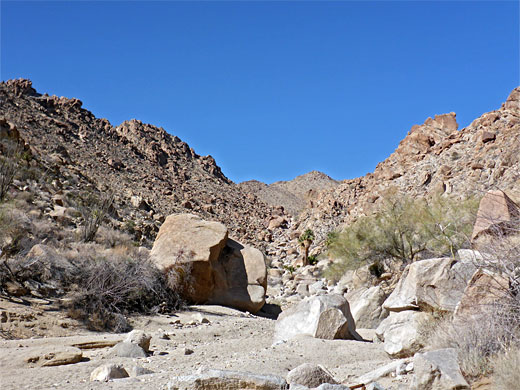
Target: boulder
(203, 240)
(213, 268)
(367, 307)
(127, 349)
(136, 370)
(400, 333)
(438, 370)
(321, 316)
(108, 372)
(496, 211)
(433, 284)
(55, 356)
(139, 338)
(310, 375)
(483, 290)
(240, 278)
(229, 380)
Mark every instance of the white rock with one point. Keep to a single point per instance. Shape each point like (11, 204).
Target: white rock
(108, 372)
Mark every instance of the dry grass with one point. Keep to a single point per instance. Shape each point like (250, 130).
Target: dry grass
(506, 373)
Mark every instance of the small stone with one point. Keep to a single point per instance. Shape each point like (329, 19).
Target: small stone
(188, 351)
(108, 372)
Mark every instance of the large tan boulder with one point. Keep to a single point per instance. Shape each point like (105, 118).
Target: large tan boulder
(240, 278)
(495, 212)
(366, 306)
(216, 269)
(202, 240)
(438, 370)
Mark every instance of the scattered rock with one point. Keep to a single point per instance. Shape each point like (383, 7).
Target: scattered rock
(310, 375)
(55, 356)
(108, 372)
(229, 380)
(128, 350)
(366, 306)
(140, 338)
(323, 316)
(433, 284)
(438, 370)
(380, 372)
(400, 332)
(136, 370)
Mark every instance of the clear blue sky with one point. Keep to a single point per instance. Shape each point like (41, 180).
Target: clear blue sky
(271, 89)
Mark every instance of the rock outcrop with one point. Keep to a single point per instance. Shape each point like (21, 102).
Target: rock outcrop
(212, 268)
(496, 213)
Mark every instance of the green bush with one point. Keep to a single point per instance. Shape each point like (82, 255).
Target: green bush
(405, 230)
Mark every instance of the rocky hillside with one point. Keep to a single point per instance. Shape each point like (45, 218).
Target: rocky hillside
(294, 195)
(151, 172)
(434, 158)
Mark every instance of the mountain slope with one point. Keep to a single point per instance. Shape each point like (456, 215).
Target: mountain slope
(294, 195)
(151, 172)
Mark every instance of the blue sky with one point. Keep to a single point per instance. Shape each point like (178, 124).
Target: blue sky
(271, 89)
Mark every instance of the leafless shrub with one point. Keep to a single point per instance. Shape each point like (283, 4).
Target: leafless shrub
(477, 339)
(506, 375)
(93, 209)
(9, 156)
(111, 238)
(109, 288)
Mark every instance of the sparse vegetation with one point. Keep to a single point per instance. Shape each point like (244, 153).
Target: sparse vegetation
(305, 241)
(110, 287)
(94, 209)
(404, 230)
(9, 155)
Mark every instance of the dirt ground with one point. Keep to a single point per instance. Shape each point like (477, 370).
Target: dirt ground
(232, 340)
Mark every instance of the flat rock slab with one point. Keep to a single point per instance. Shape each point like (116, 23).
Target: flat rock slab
(228, 380)
(52, 356)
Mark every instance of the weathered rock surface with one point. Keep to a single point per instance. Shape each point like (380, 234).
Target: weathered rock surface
(240, 278)
(438, 370)
(139, 338)
(495, 212)
(54, 356)
(380, 372)
(483, 290)
(108, 372)
(310, 375)
(400, 332)
(127, 349)
(366, 306)
(229, 380)
(323, 316)
(436, 284)
(216, 269)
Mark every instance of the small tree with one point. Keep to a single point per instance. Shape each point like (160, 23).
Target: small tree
(403, 229)
(305, 241)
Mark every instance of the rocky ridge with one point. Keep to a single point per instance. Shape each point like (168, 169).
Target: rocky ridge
(434, 158)
(152, 173)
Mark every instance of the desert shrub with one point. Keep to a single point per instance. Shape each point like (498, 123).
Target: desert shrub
(477, 339)
(111, 287)
(405, 230)
(9, 157)
(506, 375)
(93, 209)
(111, 237)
